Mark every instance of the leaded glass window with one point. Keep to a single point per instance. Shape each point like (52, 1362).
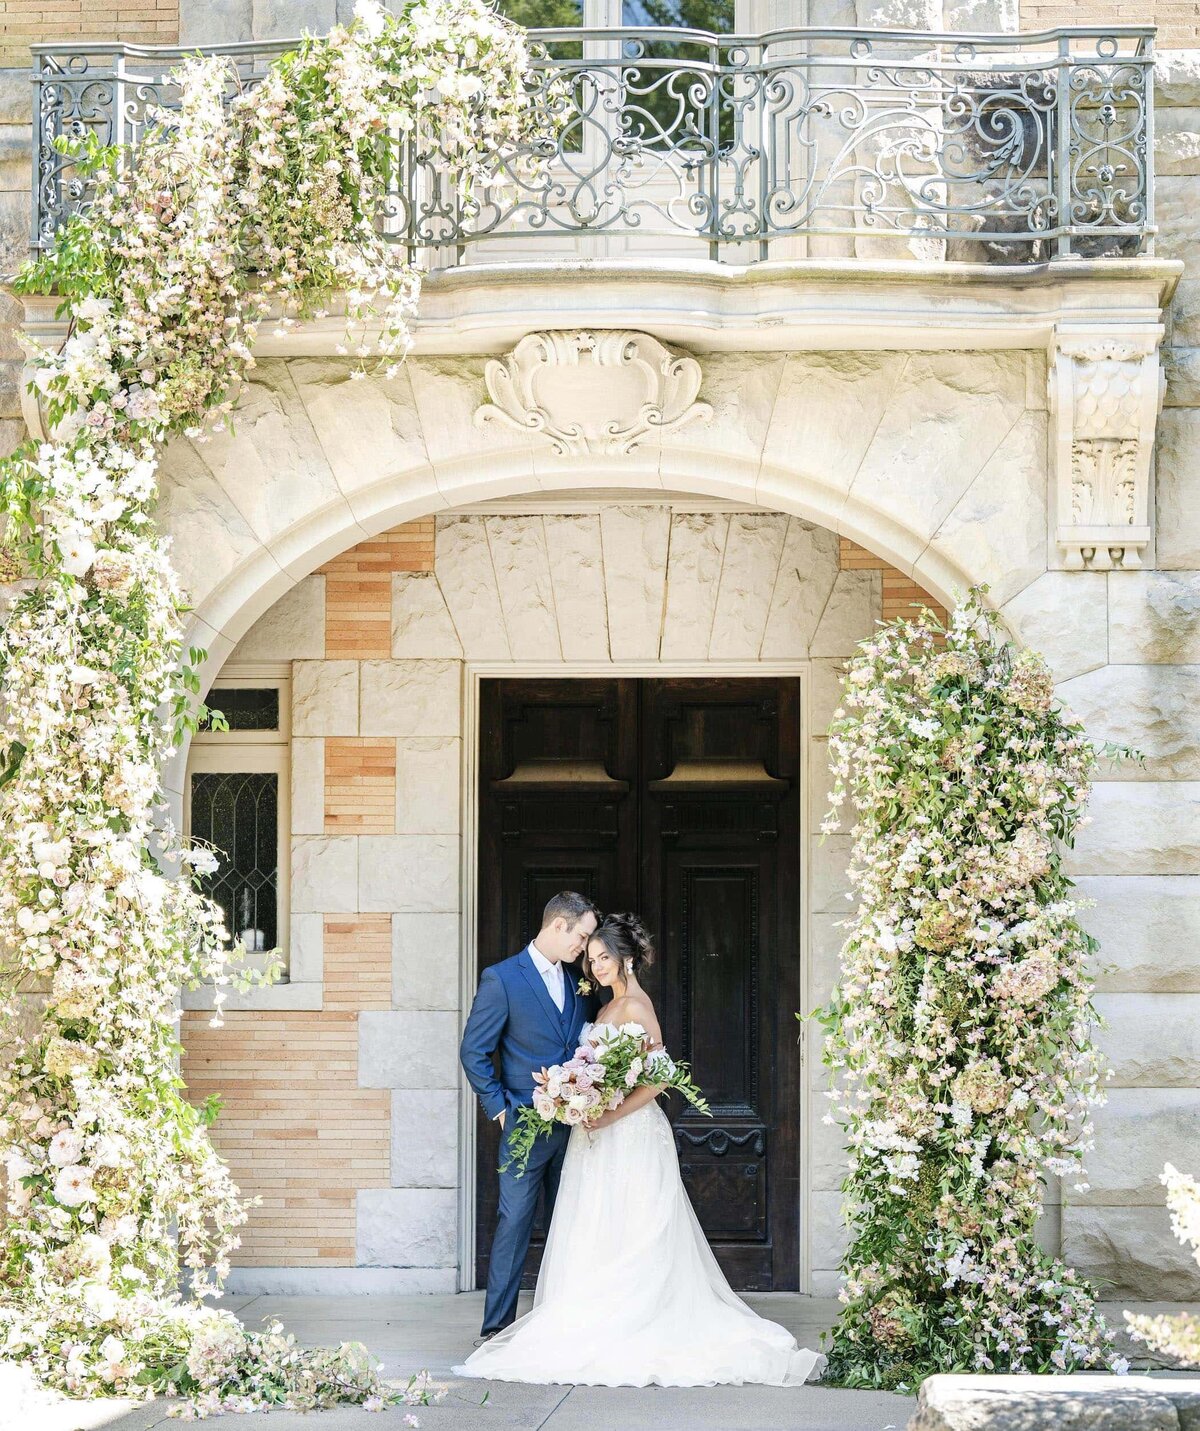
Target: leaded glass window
(237, 813)
(237, 802)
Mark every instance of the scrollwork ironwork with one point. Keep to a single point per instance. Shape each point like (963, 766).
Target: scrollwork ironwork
(1000, 147)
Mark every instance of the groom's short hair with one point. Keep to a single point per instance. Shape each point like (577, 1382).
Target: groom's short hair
(569, 906)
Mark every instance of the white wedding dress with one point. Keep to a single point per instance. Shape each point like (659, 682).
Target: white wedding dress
(629, 1293)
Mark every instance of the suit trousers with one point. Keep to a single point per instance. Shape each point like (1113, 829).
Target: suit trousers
(514, 1227)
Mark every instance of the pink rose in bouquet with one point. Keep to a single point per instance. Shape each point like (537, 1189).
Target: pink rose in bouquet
(606, 1066)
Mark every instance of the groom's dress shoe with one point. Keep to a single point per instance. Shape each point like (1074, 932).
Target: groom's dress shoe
(487, 1336)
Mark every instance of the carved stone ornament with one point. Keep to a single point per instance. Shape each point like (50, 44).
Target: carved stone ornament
(1105, 395)
(592, 391)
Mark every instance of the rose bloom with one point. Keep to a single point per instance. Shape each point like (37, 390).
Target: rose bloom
(65, 1148)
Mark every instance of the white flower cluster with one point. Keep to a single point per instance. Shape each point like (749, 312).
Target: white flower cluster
(960, 1034)
(1176, 1335)
(240, 203)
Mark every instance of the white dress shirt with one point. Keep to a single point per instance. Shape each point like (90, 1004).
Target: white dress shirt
(552, 976)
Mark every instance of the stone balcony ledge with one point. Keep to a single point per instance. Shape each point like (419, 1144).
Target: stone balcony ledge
(778, 306)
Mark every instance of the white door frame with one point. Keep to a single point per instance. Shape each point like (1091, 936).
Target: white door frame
(473, 673)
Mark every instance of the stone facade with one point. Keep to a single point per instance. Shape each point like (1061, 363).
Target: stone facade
(377, 868)
(876, 430)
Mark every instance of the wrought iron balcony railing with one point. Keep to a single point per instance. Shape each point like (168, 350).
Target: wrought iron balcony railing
(1003, 148)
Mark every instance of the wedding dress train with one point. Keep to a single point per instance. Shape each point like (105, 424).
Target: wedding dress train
(629, 1292)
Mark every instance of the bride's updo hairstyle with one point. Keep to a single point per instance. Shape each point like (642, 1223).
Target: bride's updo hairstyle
(625, 938)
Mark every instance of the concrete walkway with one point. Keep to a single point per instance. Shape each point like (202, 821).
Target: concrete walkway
(433, 1333)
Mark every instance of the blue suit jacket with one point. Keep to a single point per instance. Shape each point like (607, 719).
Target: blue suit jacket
(514, 1014)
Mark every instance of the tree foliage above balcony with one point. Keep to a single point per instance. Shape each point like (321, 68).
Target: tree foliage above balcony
(961, 1030)
(242, 204)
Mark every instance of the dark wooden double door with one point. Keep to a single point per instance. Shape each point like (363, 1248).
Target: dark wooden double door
(679, 799)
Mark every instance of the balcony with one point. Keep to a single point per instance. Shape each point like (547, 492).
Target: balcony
(797, 144)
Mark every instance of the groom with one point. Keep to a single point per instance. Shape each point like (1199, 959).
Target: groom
(529, 1011)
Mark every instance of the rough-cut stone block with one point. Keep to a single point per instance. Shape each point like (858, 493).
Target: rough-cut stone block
(421, 624)
(828, 884)
(826, 1229)
(285, 19)
(1176, 141)
(1184, 313)
(216, 22)
(1181, 368)
(1137, 1131)
(997, 529)
(411, 698)
(408, 872)
(212, 538)
(407, 1227)
(826, 693)
(425, 960)
(1035, 618)
(850, 613)
(369, 428)
(467, 577)
(16, 96)
(407, 1049)
(1151, 709)
(741, 389)
(1177, 493)
(950, 414)
(292, 630)
(1177, 77)
(808, 569)
(325, 698)
(1140, 827)
(748, 574)
(1131, 1249)
(697, 548)
(1149, 930)
(1154, 616)
(518, 547)
(427, 786)
(325, 873)
(270, 461)
(828, 407)
(1042, 1403)
(826, 1149)
(576, 557)
(1152, 1040)
(635, 568)
(308, 785)
(424, 1138)
(448, 391)
(826, 937)
(1177, 218)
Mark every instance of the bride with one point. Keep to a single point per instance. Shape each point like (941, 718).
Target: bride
(629, 1292)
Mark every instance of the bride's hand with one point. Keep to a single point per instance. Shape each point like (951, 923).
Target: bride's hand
(607, 1117)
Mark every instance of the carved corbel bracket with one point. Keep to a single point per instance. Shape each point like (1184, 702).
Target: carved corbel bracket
(1105, 396)
(592, 390)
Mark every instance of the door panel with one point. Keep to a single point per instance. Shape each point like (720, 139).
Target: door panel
(678, 799)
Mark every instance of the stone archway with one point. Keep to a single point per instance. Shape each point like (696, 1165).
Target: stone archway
(934, 461)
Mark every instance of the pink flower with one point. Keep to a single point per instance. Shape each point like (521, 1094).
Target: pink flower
(571, 1116)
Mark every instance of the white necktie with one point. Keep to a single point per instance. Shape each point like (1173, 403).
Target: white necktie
(554, 982)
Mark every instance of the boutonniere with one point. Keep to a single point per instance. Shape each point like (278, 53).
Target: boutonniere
(584, 987)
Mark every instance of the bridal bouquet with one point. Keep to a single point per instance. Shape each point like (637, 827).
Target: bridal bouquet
(610, 1063)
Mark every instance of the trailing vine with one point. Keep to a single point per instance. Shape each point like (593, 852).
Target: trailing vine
(239, 206)
(960, 1034)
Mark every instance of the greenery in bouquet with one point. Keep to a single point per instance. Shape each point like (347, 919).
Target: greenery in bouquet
(608, 1065)
(960, 1034)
